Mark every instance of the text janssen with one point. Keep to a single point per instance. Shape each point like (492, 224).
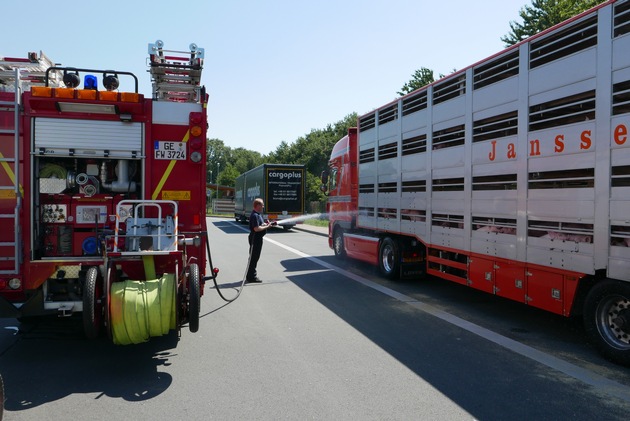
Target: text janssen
(582, 141)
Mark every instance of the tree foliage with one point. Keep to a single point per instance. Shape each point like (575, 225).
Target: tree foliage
(229, 174)
(225, 163)
(420, 78)
(543, 14)
(312, 150)
(217, 155)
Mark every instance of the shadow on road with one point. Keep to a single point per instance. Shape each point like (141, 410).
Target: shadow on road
(51, 360)
(458, 363)
(230, 227)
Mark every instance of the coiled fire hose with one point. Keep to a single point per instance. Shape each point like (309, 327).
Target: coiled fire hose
(142, 309)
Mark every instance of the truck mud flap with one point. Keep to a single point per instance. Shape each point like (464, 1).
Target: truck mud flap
(7, 309)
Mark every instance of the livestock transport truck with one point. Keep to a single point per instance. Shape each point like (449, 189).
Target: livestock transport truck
(511, 176)
(102, 194)
(282, 188)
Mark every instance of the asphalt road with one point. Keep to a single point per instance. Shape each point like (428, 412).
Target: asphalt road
(319, 339)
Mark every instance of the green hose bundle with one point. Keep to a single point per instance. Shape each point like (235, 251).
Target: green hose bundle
(53, 171)
(142, 309)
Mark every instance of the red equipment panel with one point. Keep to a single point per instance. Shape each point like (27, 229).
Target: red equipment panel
(481, 274)
(510, 281)
(545, 290)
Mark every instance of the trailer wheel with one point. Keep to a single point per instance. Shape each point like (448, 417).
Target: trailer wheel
(607, 319)
(92, 304)
(389, 258)
(338, 247)
(194, 298)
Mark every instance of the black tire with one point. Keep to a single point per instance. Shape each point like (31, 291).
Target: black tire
(92, 304)
(338, 247)
(194, 298)
(607, 319)
(389, 258)
(287, 227)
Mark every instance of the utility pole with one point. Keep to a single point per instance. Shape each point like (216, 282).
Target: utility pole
(217, 181)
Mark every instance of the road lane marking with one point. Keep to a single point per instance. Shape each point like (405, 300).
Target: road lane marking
(600, 383)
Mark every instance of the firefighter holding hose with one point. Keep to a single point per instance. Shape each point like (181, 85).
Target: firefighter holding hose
(257, 230)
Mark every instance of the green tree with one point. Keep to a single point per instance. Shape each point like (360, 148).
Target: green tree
(313, 151)
(313, 192)
(543, 14)
(421, 77)
(222, 158)
(228, 174)
(216, 153)
(244, 160)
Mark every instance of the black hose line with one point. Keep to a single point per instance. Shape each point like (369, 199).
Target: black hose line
(214, 275)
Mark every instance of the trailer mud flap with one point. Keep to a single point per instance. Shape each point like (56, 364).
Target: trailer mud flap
(34, 306)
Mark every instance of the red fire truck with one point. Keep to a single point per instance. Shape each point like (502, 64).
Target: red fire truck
(102, 194)
(511, 176)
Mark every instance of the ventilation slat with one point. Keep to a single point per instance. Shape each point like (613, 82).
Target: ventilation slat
(495, 71)
(496, 127)
(414, 103)
(578, 37)
(451, 88)
(621, 20)
(571, 109)
(447, 138)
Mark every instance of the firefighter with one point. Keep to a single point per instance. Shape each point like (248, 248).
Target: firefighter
(257, 230)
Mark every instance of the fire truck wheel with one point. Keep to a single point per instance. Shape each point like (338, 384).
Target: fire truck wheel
(389, 258)
(194, 298)
(110, 278)
(607, 319)
(338, 247)
(92, 304)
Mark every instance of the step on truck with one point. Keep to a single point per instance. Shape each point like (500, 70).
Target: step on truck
(511, 176)
(102, 194)
(282, 188)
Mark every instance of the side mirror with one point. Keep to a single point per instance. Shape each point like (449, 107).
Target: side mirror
(324, 177)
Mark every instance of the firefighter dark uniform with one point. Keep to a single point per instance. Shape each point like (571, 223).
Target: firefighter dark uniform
(257, 230)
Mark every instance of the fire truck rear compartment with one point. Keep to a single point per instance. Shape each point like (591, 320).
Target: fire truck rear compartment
(75, 206)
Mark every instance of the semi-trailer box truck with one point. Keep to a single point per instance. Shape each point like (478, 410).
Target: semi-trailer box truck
(280, 186)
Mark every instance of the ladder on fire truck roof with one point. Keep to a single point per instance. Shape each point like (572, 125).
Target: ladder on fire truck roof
(176, 78)
(31, 71)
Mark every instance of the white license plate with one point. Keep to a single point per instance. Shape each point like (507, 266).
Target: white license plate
(169, 150)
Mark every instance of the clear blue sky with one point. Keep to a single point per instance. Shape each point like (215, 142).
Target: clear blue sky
(274, 69)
